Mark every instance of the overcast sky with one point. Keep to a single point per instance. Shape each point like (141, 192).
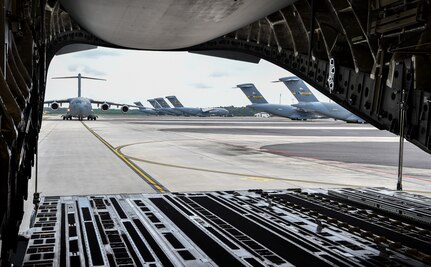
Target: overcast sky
(197, 80)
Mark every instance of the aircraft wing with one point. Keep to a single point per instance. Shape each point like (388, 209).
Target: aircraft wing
(57, 101)
(309, 109)
(207, 109)
(113, 104)
(302, 107)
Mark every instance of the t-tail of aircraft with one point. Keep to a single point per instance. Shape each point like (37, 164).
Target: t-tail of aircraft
(154, 103)
(139, 104)
(162, 102)
(299, 90)
(252, 93)
(79, 77)
(174, 101)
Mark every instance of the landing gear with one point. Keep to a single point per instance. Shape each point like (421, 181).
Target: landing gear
(67, 117)
(91, 117)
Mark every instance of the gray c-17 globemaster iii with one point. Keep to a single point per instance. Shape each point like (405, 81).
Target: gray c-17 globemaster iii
(80, 107)
(309, 103)
(159, 109)
(161, 106)
(260, 104)
(200, 112)
(145, 110)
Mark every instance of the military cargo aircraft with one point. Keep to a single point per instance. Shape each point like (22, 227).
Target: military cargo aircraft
(81, 107)
(147, 111)
(200, 112)
(260, 104)
(309, 103)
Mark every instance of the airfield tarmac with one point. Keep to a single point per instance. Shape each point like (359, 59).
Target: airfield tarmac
(133, 154)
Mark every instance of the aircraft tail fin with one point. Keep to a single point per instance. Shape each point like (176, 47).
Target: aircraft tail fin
(252, 93)
(174, 101)
(299, 90)
(154, 103)
(162, 102)
(79, 77)
(139, 104)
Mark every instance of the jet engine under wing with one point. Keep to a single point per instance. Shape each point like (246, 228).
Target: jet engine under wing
(106, 105)
(55, 104)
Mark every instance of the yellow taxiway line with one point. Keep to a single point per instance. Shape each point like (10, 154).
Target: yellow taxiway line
(160, 188)
(244, 175)
(129, 163)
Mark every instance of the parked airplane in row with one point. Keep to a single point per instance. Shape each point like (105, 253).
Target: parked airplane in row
(161, 106)
(308, 106)
(147, 111)
(259, 103)
(309, 103)
(81, 107)
(200, 112)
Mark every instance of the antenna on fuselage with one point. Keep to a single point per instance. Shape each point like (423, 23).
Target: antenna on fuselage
(79, 77)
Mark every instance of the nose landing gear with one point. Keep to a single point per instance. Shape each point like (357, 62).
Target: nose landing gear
(91, 117)
(67, 117)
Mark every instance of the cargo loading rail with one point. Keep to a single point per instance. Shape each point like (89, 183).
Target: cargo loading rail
(313, 227)
(416, 207)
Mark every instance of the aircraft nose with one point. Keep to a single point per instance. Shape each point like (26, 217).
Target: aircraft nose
(81, 107)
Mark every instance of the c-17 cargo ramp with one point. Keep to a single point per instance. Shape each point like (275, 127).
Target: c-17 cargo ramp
(123, 222)
(306, 228)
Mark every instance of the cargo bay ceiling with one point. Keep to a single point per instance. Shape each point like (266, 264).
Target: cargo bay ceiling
(369, 56)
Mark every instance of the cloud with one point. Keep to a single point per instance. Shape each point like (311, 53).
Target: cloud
(72, 68)
(85, 70)
(218, 74)
(97, 53)
(199, 85)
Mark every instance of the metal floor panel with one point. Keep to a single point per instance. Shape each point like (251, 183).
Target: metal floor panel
(233, 228)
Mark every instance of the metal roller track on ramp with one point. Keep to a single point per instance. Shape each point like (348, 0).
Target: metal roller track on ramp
(225, 228)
